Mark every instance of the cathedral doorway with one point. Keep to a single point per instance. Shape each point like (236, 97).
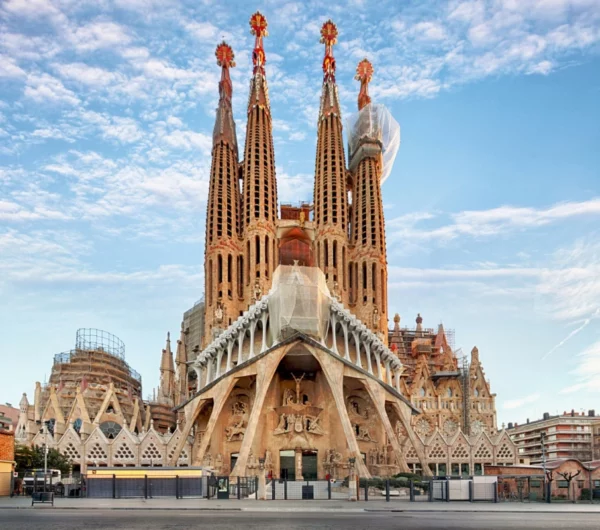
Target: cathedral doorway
(309, 465)
(287, 464)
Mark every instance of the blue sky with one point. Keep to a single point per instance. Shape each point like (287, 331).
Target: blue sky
(492, 208)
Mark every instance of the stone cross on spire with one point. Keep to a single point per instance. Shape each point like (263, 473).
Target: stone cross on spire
(364, 73)
(329, 34)
(225, 59)
(258, 28)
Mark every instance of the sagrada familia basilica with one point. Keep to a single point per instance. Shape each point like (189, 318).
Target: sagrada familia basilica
(298, 369)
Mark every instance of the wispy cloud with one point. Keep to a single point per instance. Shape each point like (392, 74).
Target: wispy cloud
(486, 223)
(587, 373)
(519, 402)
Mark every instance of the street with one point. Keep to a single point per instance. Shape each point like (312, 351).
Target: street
(52, 519)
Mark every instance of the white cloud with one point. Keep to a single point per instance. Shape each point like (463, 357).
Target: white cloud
(519, 402)
(9, 68)
(587, 373)
(99, 35)
(44, 88)
(85, 74)
(485, 223)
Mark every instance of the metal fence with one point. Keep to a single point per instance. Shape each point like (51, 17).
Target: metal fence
(282, 489)
(123, 487)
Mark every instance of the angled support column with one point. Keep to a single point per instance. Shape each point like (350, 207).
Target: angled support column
(185, 432)
(377, 395)
(220, 394)
(265, 372)
(334, 373)
(414, 440)
(209, 363)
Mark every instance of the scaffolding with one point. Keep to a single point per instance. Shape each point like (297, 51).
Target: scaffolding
(90, 339)
(465, 380)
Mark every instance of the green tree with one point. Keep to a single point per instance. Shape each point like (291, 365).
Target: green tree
(33, 458)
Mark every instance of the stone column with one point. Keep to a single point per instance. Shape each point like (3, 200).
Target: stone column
(299, 464)
(262, 483)
(352, 493)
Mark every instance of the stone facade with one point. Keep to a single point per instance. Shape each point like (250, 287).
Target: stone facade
(92, 411)
(297, 367)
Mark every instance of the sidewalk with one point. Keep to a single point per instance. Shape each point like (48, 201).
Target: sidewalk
(294, 506)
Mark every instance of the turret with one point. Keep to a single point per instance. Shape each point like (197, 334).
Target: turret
(369, 279)
(181, 377)
(223, 250)
(259, 205)
(331, 192)
(167, 375)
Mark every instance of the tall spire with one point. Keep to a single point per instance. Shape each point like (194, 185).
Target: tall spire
(181, 359)
(223, 225)
(259, 204)
(167, 374)
(329, 100)
(364, 73)
(330, 192)
(224, 129)
(259, 93)
(369, 279)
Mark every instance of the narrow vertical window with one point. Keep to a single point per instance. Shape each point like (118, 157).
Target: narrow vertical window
(210, 281)
(267, 256)
(219, 269)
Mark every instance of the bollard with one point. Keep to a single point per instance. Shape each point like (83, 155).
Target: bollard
(272, 489)
(114, 486)
(366, 489)
(447, 491)
(177, 486)
(470, 491)
(285, 489)
(329, 489)
(239, 492)
(430, 492)
(496, 494)
(387, 490)
(411, 490)
(549, 492)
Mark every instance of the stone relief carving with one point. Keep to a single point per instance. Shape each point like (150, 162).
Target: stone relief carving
(362, 417)
(297, 415)
(207, 460)
(236, 428)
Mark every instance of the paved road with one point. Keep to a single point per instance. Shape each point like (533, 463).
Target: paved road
(49, 519)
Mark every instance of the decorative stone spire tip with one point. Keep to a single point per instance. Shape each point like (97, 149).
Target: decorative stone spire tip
(364, 74)
(329, 34)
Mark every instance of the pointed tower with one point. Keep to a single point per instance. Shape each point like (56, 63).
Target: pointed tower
(167, 375)
(259, 206)
(223, 252)
(369, 263)
(330, 192)
(181, 371)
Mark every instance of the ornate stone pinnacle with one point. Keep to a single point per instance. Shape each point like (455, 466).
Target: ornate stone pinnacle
(364, 73)
(225, 56)
(258, 28)
(329, 34)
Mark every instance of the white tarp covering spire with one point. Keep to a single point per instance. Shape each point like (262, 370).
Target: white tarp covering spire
(299, 300)
(375, 123)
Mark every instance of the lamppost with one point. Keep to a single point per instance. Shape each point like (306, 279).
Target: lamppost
(543, 442)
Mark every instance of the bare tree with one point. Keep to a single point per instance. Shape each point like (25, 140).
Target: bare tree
(568, 476)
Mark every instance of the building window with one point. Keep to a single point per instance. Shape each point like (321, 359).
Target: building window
(562, 484)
